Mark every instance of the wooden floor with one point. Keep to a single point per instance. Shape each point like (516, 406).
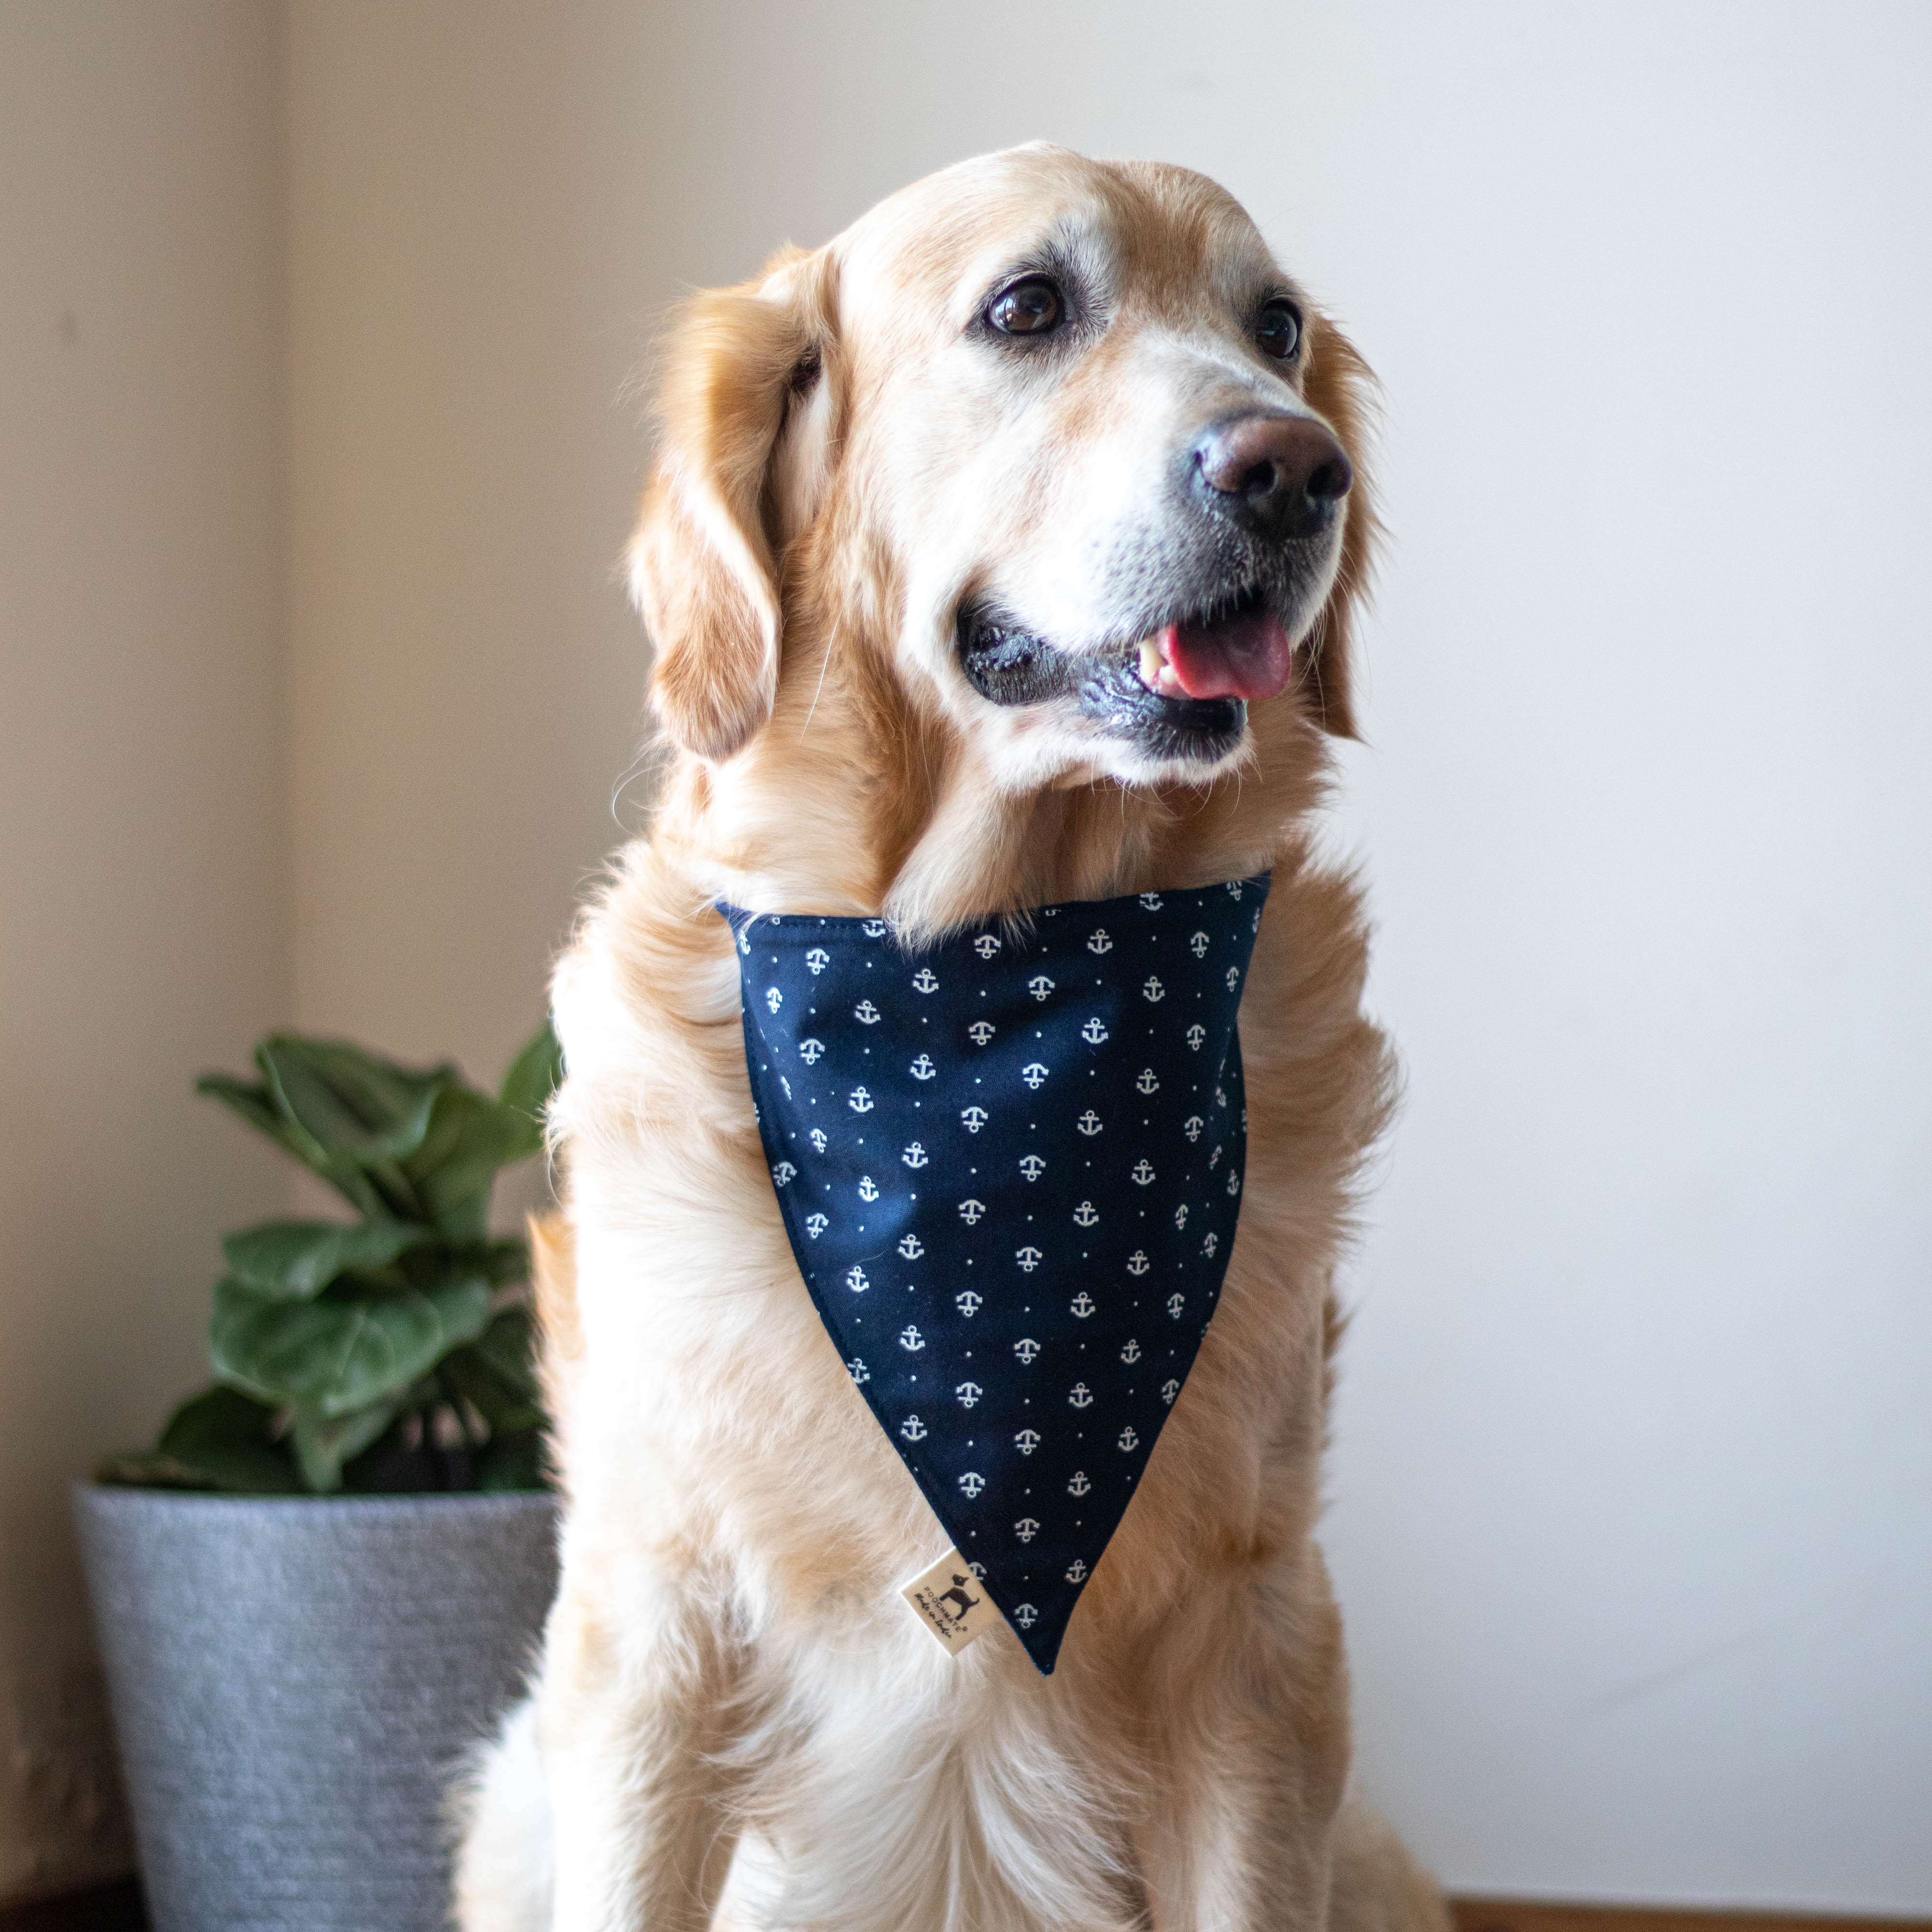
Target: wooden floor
(117, 1908)
(1516, 1914)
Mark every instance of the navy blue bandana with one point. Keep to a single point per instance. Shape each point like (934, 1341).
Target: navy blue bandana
(1010, 1166)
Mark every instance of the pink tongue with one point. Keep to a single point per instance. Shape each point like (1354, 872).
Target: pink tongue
(1248, 656)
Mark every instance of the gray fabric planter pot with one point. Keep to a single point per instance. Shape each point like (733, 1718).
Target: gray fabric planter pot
(293, 1680)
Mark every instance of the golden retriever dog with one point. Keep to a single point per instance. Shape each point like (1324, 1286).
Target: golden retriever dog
(1004, 551)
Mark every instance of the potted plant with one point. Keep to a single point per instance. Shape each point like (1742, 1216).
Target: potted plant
(327, 1578)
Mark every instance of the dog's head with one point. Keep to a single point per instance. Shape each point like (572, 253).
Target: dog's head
(1056, 441)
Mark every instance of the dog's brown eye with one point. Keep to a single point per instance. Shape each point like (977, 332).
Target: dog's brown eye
(1029, 307)
(1278, 332)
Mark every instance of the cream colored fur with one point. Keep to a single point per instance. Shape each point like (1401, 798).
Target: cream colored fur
(728, 1672)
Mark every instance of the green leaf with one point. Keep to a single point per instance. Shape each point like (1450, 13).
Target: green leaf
(340, 1352)
(534, 1075)
(219, 1440)
(505, 1262)
(323, 1443)
(498, 1398)
(258, 1106)
(509, 1345)
(470, 1137)
(294, 1260)
(355, 1104)
(513, 1461)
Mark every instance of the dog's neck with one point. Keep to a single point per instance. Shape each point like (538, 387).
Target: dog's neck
(859, 798)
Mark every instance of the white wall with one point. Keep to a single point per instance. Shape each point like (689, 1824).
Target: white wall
(1631, 1487)
(141, 789)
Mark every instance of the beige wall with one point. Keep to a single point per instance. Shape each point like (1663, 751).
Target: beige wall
(1631, 1518)
(469, 280)
(142, 789)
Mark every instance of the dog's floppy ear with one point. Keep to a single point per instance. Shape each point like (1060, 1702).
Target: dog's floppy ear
(1341, 386)
(702, 570)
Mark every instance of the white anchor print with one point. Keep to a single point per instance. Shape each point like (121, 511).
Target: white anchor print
(1175, 1304)
(915, 1156)
(1089, 1123)
(1026, 1441)
(1129, 1440)
(1132, 1352)
(1153, 989)
(981, 1031)
(818, 959)
(873, 928)
(972, 1482)
(1191, 1126)
(812, 1051)
(1082, 1396)
(745, 941)
(869, 1188)
(1234, 977)
(914, 1430)
(1032, 1166)
(973, 1119)
(1076, 1571)
(1099, 942)
(784, 1174)
(861, 1101)
(1151, 901)
(910, 1248)
(1234, 888)
(924, 981)
(1234, 1181)
(1180, 1215)
(1083, 1215)
(818, 1140)
(1208, 1247)
(1082, 1305)
(985, 946)
(1168, 1390)
(1141, 1172)
(1196, 1035)
(866, 1014)
(855, 1280)
(1093, 1033)
(858, 1371)
(968, 1393)
(970, 1211)
(1214, 1159)
(922, 1068)
(1039, 985)
(774, 998)
(1146, 1083)
(1199, 945)
(815, 1225)
(1138, 1263)
(1029, 1259)
(1026, 1529)
(1025, 1615)
(1026, 1348)
(786, 1085)
(1080, 1485)
(968, 1303)
(910, 1339)
(1033, 1074)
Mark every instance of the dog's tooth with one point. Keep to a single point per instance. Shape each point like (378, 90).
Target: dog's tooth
(1152, 665)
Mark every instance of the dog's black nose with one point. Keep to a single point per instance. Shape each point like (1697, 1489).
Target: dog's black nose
(1279, 476)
